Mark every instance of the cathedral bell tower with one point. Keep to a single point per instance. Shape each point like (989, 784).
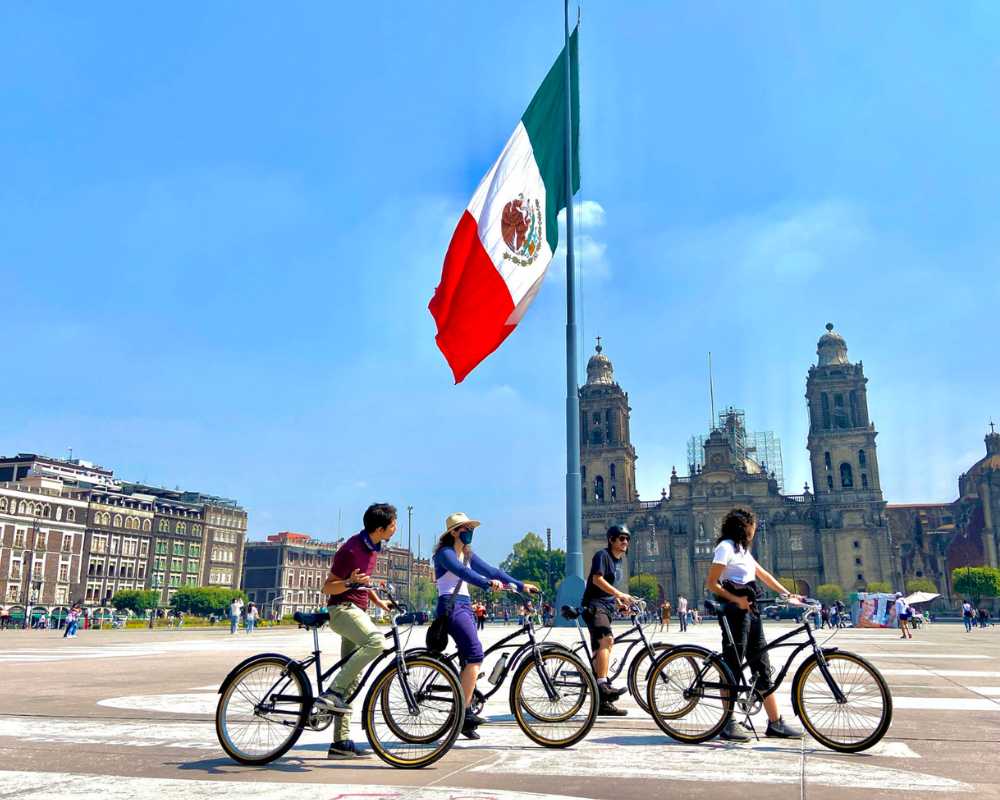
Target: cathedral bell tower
(607, 458)
(841, 436)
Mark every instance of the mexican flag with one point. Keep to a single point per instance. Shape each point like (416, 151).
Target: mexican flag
(505, 239)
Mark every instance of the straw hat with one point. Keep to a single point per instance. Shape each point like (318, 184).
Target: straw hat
(458, 518)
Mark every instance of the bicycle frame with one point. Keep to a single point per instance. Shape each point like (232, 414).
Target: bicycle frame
(743, 687)
(622, 638)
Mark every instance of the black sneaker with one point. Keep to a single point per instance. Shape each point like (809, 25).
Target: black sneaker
(735, 732)
(609, 709)
(610, 693)
(346, 749)
(469, 731)
(783, 730)
(471, 718)
(333, 701)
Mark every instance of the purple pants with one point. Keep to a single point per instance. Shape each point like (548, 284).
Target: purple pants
(462, 628)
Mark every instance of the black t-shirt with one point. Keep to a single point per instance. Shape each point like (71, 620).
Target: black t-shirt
(609, 568)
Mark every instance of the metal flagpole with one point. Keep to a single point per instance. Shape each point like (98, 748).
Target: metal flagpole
(571, 589)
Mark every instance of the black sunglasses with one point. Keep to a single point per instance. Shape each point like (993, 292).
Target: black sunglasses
(622, 537)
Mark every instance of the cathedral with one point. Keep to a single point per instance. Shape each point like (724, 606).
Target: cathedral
(842, 531)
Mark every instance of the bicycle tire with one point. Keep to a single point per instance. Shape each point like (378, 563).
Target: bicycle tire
(270, 669)
(637, 686)
(420, 754)
(683, 670)
(806, 706)
(573, 727)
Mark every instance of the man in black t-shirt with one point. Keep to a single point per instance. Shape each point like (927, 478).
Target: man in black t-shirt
(600, 597)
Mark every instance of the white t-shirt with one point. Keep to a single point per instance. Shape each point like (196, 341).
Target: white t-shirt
(739, 566)
(682, 605)
(235, 608)
(966, 607)
(900, 607)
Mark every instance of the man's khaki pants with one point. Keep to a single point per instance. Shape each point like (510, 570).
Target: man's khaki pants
(357, 632)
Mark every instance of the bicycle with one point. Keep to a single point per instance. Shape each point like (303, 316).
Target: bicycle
(841, 699)
(553, 694)
(638, 674)
(411, 715)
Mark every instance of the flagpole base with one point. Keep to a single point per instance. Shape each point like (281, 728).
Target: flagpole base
(570, 594)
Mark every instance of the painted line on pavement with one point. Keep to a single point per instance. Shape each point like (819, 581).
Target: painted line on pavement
(71, 786)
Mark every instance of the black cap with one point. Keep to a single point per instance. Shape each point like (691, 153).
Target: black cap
(618, 530)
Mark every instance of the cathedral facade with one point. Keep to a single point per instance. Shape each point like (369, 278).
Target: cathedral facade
(837, 532)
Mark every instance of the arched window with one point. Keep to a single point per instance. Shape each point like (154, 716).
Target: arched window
(829, 481)
(612, 472)
(71, 515)
(146, 525)
(864, 484)
(163, 526)
(3, 503)
(824, 402)
(614, 493)
(46, 511)
(846, 476)
(862, 459)
(827, 461)
(599, 489)
(22, 508)
(118, 520)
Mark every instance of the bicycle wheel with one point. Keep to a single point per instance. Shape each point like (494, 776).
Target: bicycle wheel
(638, 673)
(554, 722)
(263, 710)
(690, 694)
(401, 738)
(851, 726)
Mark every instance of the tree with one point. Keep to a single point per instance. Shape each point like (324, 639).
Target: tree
(920, 585)
(527, 562)
(204, 600)
(644, 585)
(789, 584)
(138, 601)
(879, 587)
(829, 593)
(424, 594)
(976, 582)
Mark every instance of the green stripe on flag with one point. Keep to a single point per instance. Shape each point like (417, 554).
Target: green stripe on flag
(545, 122)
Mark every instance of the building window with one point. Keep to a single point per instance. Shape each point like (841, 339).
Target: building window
(163, 526)
(144, 548)
(829, 481)
(41, 540)
(19, 538)
(146, 525)
(862, 459)
(857, 562)
(176, 564)
(825, 405)
(827, 461)
(178, 548)
(71, 515)
(840, 419)
(846, 476)
(67, 543)
(861, 577)
(118, 520)
(99, 544)
(63, 572)
(864, 480)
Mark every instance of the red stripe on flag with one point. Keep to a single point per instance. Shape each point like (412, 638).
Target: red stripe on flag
(471, 305)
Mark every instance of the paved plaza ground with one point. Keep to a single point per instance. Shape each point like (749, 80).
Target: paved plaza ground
(115, 715)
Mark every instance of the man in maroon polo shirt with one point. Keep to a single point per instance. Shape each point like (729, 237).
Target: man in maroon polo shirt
(349, 591)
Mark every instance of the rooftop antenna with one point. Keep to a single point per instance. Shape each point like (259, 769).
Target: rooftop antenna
(711, 392)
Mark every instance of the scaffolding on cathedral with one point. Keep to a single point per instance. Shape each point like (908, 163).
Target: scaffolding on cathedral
(759, 450)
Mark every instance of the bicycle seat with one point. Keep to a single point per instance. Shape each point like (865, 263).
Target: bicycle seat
(311, 620)
(570, 613)
(713, 608)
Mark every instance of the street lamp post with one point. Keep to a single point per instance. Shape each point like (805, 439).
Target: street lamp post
(29, 599)
(409, 548)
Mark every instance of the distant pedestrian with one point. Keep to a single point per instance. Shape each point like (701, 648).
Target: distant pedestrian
(682, 612)
(903, 614)
(665, 615)
(480, 616)
(4, 618)
(72, 621)
(235, 610)
(824, 616)
(984, 618)
(250, 620)
(967, 615)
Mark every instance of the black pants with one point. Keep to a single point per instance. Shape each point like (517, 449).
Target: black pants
(748, 632)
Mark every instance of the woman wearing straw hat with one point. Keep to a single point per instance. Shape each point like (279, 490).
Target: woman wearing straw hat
(455, 567)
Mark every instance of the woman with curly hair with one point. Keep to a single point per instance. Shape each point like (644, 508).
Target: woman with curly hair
(732, 578)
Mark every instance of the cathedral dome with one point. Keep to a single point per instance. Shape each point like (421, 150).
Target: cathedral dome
(599, 369)
(831, 348)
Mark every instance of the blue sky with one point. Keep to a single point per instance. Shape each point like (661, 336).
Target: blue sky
(220, 226)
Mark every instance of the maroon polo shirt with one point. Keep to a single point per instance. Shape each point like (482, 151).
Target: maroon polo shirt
(358, 552)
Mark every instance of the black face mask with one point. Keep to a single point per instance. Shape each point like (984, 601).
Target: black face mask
(466, 537)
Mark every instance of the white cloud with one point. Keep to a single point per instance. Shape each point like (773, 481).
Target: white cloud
(591, 260)
(789, 245)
